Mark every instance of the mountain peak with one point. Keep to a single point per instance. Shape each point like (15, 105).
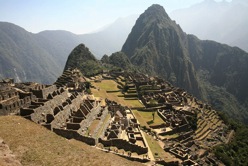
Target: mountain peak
(155, 8)
(155, 11)
(84, 60)
(155, 44)
(78, 55)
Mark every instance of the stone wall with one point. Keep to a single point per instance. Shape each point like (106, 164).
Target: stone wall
(43, 91)
(39, 115)
(123, 144)
(89, 119)
(61, 117)
(11, 101)
(163, 125)
(72, 134)
(172, 163)
(101, 123)
(13, 106)
(8, 93)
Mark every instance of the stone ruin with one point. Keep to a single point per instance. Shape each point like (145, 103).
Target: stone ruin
(61, 109)
(72, 79)
(12, 98)
(64, 109)
(180, 111)
(123, 130)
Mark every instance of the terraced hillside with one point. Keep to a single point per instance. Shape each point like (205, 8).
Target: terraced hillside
(129, 114)
(178, 127)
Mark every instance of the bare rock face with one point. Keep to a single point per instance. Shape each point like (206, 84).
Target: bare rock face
(7, 158)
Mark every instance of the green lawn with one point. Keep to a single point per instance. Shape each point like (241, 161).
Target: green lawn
(148, 118)
(109, 85)
(140, 118)
(154, 146)
(106, 85)
(134, 103)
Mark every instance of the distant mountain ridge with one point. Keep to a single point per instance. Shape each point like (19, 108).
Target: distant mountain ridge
(111, 38)
(23, 58)
(224, 22)
(41, 57)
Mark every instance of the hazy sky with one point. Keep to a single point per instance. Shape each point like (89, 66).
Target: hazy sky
(77, 16)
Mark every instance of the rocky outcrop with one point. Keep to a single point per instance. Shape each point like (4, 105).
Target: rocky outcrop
(7, 158)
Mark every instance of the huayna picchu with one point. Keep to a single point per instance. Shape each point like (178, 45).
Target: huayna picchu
(146, 104)
(214, 72)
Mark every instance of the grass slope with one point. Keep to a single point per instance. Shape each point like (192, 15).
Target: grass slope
(35, 145)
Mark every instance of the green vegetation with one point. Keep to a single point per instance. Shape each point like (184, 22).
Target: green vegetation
(119, 59)
(213, 72)
(146, 118)
(192, 121)
(111, 85)
(153, 102)
(27, 57)
(107, 85)
(222, 100)
(235, 152)
(81, 58)
(157, 151)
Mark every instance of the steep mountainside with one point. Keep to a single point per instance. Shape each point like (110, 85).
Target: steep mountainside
(213, 71)
(226, 23)
(119, 60)
(223, 73)
(84, 60)
(41, 57)
(156, 44)
(59, 44)
(22, 57)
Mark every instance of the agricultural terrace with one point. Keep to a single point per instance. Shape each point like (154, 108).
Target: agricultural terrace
(146, 118)
(108, 89)
(102, 89)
